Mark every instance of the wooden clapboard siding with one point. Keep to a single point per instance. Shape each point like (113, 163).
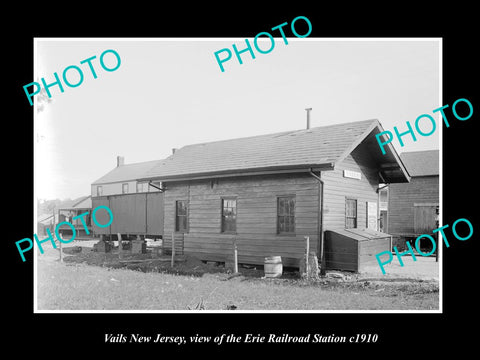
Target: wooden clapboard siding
(179, 241)
(174, 193)
(368, 250)
(338, 187)
(256, 224)
(402, 197)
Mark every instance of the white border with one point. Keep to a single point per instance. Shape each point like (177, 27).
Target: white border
(390, 39)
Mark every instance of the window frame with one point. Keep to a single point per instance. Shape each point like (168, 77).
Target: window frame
(99, 187)
(223, 216)
(347, 199)
(177, 223)
(290, 197)
(123, 190)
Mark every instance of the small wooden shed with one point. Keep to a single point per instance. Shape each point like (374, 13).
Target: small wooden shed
(352, 249)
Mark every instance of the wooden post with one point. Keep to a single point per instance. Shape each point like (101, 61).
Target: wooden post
(61, 250)
(120, 246)
(307, 252)
(173, 249)
(235, 256)
(323, 262)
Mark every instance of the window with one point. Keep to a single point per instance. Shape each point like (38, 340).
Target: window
(350, 213)
(229, 215)
(383, 199)
(99, 190)
(141, 187)
(285, 214)
(384, 195)
(125, 188)
(181, 216)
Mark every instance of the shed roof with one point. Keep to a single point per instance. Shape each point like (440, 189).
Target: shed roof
(361, 234)
(421, 163)
(319, 148)
(127, 172)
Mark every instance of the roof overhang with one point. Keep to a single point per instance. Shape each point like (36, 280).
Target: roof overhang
(270, 170)
(391, 167)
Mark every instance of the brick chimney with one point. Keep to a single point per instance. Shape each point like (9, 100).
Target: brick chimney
(120, 161)
(308, 117)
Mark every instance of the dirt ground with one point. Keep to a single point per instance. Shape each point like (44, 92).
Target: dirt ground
(148, 262)
(423, 269)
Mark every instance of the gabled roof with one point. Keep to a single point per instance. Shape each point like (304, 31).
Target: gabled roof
(128, 172)
(319, 148)
(421, 163)
(84, 202)
(45, 218)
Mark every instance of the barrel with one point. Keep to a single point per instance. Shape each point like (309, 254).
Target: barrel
(273, 266)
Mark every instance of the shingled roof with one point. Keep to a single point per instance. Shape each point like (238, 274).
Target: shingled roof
(320, 148)
(421, 163)
(127, 172)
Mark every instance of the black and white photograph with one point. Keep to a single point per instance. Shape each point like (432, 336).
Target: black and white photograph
(185, 188)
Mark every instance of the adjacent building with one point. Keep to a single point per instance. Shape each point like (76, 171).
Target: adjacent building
(83, 229)
(123, 179)
(413, 208)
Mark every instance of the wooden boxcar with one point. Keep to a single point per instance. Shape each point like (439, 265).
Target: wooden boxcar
(133, 214)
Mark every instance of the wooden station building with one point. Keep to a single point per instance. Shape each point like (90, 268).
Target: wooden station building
(268, 192)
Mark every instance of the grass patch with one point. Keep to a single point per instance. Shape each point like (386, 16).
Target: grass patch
(191, 284)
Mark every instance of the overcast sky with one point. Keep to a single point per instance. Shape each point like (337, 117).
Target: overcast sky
(168, 93)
